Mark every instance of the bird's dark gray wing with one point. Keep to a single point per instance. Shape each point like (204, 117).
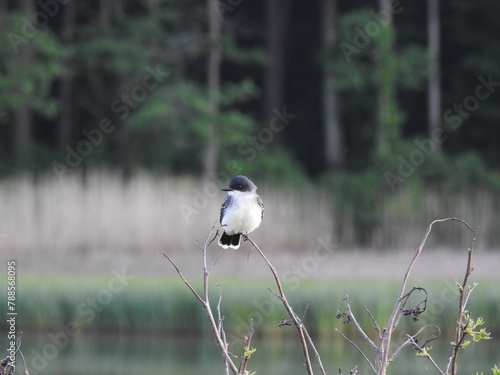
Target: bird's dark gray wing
(261, 204)
(225, 204)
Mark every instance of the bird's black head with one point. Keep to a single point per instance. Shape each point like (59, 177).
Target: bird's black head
(240, 183)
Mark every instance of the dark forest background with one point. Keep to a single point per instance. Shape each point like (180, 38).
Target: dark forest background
(362, 98)
(355, 78)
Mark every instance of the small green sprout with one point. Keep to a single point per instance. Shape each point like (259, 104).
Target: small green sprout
(248, 352)
(425, 352)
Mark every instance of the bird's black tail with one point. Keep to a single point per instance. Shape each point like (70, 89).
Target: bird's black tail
(232, 241)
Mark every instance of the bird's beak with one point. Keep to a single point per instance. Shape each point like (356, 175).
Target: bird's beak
(227, 188)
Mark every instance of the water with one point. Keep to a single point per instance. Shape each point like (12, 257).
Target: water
(111, 354)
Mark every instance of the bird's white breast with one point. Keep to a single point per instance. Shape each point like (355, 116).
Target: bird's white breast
(243, 215)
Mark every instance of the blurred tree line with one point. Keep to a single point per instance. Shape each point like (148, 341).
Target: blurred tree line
(276, 88)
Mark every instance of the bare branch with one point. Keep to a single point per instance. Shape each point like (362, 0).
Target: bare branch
(216, 326)
(305, 310)
(470, 288)
(205, 269)
(275, 294)
(183, 278)
(359, 350)
(404, 344)
(396, 312)
(316, 353)
(424, 353)
(220, 320)
(464, 293)
(311, 342)
(247, 350)
(377, 327)
(20, 352)
(296, 320)
(358, 326)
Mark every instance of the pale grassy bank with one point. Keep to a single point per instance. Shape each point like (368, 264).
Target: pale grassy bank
(100, 221)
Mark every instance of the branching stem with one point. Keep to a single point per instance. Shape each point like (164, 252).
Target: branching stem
(396, 313)
(216, 326)
(301, 331)
(464, 293)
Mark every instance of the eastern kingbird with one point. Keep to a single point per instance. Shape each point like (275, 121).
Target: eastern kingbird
(241, 212)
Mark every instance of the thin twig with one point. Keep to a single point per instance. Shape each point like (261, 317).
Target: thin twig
(404, 344)
(393, 320)
(311, 342)
(316, 353)
(358, 326)
(425, 353)
(205, 301)
(359, 350)
(377, 327)
(464, 295)
(305, 310)
(215, 235)
(247, 350)
(183, 279)
(20, 352)
(205, 269)
(274, 293)
(296, 320)
(470, 288)
(220, 320)
(216, 260)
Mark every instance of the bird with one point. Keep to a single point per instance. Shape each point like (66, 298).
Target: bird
(241, 212)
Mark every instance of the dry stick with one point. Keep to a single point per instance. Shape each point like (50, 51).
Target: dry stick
(220, 318)
(183, 279)
(396, 352)
(422, 350)
(220, 326)
(358, 326)
(386, 339)
(296, 320)
(310, 340)
(206, 304)
(19, 351)
(462, 303)
(377, 327)
(361, 331)
(211, 319)
(358, 349)
(247, 351)
(305, 309)
(316, 353)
